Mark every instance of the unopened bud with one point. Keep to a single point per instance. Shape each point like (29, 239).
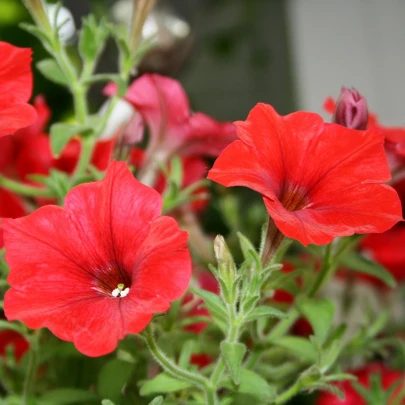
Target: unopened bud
(120, 116)
(61, 19)
(351, 109)
(226, 269)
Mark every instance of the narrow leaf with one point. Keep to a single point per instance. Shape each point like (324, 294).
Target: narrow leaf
(233, 354)
(157, 401)
(265, 312)
(213, 302)
(299, 346)
(50, 69)
(61, 134)
(255, 385)
(320, 313)
(162, 383)
(359, 263)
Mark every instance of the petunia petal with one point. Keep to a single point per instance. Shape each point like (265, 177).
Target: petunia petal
(163, 254)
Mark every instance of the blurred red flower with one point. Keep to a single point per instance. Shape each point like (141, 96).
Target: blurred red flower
(14, 339)
(388, 249)
(99, 268)
(11, 206)
(15, 88)
(352, 397)
(194, 170)
(319, 181)
(174, 129)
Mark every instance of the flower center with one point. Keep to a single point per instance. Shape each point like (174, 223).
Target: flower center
(294, 198)
(112, 280)
(120, 291)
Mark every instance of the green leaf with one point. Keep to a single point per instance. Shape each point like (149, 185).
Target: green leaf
(157, 401)
(248, 249)
(176, 172)
(92, 38)
(112, 378)
(51, 70)
(359, 263)
(107, 402)
(10, 325)
(66, 396)
(61, 134)
(213, 302)
(265, 312)
(255, 385)
(163, 383)
(329, 355)
(320, 313)
(40, 34)
(299, 346)
(186, 351)
(233, 354)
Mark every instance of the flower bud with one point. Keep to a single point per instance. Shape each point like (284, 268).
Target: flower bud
(119, 117)
(351, 109)
(63, 22)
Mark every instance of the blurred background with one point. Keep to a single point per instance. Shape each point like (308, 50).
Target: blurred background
(230, 54)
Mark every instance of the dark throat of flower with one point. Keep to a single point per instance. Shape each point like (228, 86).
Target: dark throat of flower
(293, 198)
(112, 281)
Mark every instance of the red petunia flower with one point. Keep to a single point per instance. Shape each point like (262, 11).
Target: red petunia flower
(352, 397)
(15, 89)
(28, 151)
(99, 268)
(318, 180)
(165, 108)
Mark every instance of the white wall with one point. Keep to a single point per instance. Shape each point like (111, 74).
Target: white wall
(359, 43)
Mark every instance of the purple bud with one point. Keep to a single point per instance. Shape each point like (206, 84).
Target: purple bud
(351, 109)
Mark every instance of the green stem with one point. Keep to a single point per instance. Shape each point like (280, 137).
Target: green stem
(170, 367)
(24, 189)
(325, 273)
(232, 336)
(218, 370)
(80, 103)
(85, 157)
(287, 395)
(32, 366)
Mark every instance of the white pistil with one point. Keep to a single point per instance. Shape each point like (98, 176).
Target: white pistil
(120, 291)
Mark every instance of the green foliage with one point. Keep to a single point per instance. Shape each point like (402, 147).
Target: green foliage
(319, 313)
(233, 354)
(61, 134)
(113, 377)
(92, 39)
(51, 71)
(67, 396)
(163, 383)
(361, 264)
(255, 385)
